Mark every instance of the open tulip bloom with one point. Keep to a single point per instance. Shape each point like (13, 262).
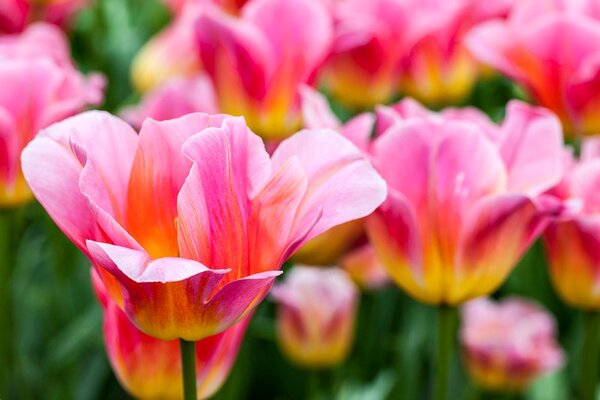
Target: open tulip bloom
(188, 223)
(465, 201)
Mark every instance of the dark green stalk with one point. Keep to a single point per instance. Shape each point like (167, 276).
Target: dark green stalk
(188, 367)
(589, 356)
(445, 349)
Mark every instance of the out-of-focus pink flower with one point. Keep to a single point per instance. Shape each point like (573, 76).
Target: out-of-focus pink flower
(327, 248)
(16, 14)
(231, 6)
(150, 368)
(364, 267)
(437, 67)
(188, 222)
(40, 86)
(170, 53)
(573, 241)
(316, 315)
(463, 202)
(175, 98)
(363, 68)
(258, 62)
(552, 48)
(507, 345)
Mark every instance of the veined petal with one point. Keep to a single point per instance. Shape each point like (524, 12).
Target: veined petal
(158, 172)
(341, 181)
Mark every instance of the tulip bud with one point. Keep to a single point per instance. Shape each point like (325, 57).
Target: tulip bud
(316, 315)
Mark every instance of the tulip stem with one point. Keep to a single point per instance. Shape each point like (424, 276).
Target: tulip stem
(589, 356)
(445, 348)
(188, 367)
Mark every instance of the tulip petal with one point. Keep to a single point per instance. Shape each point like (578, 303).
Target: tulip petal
(214, 201)
(531, 146)
(341, 182)
(495, 236)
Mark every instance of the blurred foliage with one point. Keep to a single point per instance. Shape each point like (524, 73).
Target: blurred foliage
(58, 335)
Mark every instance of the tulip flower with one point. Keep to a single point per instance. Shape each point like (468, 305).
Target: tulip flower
(15, 14)
(258, 61)
(364, 68)
(437, 67)
(315, 315)
(550, 48)
(365, 269)
(571, 243)
(463, 201)
(176, 98)
(328, 247)
(150, 368)
(171, 53)
(188, 222)
(508, 344)
(40, 86)
(232, 6)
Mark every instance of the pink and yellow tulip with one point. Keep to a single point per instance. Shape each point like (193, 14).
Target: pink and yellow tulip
(316, 315)
(363, 68)
(573, 241)
(188, 222)
(40, 86)
(175, 98)
(437, 67)
(364, 267)
(463, 201)
(551, 48)
(171, 53)
(507, 345)
(149, 368)
(16, 14)
(258, 61)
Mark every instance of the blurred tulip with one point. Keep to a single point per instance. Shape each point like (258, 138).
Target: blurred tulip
(507, 345)
(16, 14)
(150, 368)
(231, 6)
(438, 68)
(39, 86)
(327, 248)
(573, 241)
(188, 222)
(172, 52)
(176, 98)
(258, 62)
(364, 268)
(315, 316)
(463, 201)
(363, 68)
(551, 48)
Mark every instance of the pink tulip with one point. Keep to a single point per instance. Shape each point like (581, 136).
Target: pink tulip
(188, 222)
(231, 6)
(170, 53)
(507, 345)
(463, 201)
(15, 14)
(40, 86)
(258, 61)
(177, 97)
(573, 241)
(364, 68)
(316, 315)
(437, 67)
(551, 48)
(150, 368)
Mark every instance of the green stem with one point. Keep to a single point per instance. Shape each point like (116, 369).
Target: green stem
(7, 260)
(445, 348)
(188, 366)
(589, 355)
